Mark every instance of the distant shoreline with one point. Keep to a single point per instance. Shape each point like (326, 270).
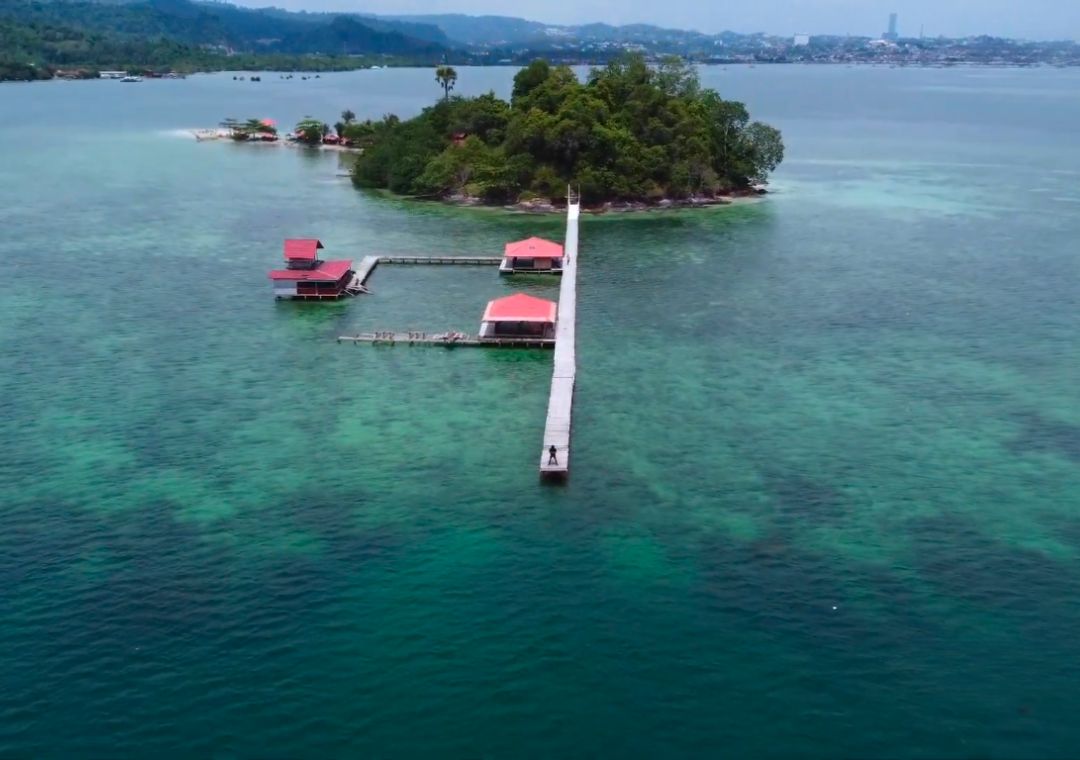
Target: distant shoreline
(740, 64)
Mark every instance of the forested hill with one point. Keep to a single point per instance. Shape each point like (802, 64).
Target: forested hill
(631, 132)
(222, 27)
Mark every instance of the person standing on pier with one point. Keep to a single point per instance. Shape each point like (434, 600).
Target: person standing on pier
(552, 459)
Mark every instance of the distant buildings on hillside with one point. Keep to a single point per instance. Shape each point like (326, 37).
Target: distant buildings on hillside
(889, 48)
(892, 35)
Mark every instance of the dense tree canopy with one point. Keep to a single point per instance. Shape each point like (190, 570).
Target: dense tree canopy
(631, 132)
(35, 50)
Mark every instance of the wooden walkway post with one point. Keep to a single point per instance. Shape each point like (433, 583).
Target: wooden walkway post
(561, 399)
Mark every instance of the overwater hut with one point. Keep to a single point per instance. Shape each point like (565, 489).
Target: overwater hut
(519, 316)
(532, 255)
(307, 276)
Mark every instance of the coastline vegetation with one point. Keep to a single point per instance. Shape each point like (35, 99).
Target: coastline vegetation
(41, 49)
(630, 133)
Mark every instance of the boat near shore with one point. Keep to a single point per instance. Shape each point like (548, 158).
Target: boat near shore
(209, 134)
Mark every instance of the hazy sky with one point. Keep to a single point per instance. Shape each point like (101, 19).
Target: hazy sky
(1039, 19)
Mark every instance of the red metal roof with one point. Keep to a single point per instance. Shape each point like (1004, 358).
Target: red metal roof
(534, 248)
(302, 250)
(327, 271)
(520, 308)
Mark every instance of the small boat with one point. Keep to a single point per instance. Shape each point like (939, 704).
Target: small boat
(130, 78)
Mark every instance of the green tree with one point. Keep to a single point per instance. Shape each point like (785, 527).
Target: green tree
(458, 166)
(260, 127)
(485, 116)
(677, 78)
(447, 78)
(528, 79)
(550, 93)
(767, 148)
(310, 131)
(347, 117)
(398, 154)
(360, 134)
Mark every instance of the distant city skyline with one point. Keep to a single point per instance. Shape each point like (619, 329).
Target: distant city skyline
(1033, 19)
(893, 32)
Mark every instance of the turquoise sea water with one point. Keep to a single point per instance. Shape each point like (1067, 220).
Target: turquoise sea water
(826, 487)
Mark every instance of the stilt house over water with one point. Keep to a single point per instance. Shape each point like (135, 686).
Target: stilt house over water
(532, 255)
(518, 316)
(307, 276)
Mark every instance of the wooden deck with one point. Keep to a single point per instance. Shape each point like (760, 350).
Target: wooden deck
(368, 263)
(446, 339)
(561, 398)
(367, 266)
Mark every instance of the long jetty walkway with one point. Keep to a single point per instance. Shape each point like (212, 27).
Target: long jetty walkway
(447, 339)
(467, 260)
(561, 398)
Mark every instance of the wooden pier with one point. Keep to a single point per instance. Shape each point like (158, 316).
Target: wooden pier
(466, 260)
(561, 398)
(368, 263)
(563, 376)
(367, 266)
(445, 339)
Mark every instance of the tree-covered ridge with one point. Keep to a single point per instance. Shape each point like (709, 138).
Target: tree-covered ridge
(629, 133)
(225, 26)
(38, 37)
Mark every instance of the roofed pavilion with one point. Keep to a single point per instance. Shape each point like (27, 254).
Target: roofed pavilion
(307, 276)
(519, 316)
(532, 255)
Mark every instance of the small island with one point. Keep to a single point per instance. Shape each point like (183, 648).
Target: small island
(631, 136)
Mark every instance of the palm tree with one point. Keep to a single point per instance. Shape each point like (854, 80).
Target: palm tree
(447, 77)
(310, 131)
(347, 117)
(237, 129)
(260, 126)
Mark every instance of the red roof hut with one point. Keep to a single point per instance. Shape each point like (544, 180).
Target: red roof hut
(519, 316)
(307, 276)
(532, 255)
